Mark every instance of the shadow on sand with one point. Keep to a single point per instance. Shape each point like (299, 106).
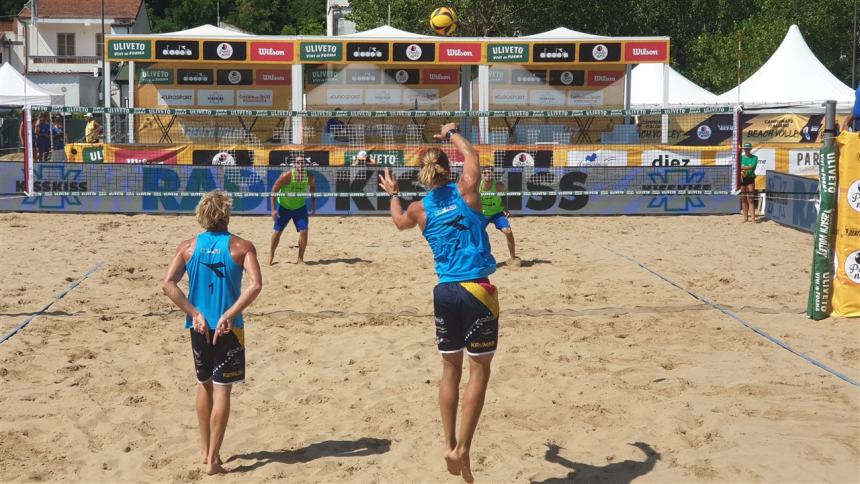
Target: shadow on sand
(325, 262)
(329, 448)
(615, 473)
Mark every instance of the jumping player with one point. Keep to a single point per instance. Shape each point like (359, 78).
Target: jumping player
(496, 211)
(215, 261)
(292, 207)
(466, 305)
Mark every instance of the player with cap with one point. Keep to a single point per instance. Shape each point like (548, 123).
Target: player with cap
(93, 129)
(749, 162)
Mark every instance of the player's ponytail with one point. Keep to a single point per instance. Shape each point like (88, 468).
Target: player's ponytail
(435, 168)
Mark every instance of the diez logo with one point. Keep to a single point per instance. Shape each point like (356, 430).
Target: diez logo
(646, 51)
(272, 51)
(214, 50)
(170, 49)
(459, 52)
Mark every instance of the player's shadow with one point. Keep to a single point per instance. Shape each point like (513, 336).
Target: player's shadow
(524, 263)
(616, 473)
(349, 261)
(329, 448)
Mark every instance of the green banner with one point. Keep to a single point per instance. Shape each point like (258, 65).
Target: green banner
(156, 76)
(821, 285)
(94, 155)
(129, 49)
(508, 53)
(321, 51)
(324, 75)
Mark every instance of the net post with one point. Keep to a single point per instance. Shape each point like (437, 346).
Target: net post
(483, 103)
(664, 118)
(298, 103)
(737, 142)
(131, 88)
(27, 130)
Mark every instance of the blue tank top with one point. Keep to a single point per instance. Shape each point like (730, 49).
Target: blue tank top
(214, 279)
(457, 237)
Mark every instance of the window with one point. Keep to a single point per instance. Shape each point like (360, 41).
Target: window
(99, 45)
(65, 46)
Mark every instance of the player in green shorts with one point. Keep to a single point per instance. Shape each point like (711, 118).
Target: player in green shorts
(749, 162)
(495, 211)
(292, 207)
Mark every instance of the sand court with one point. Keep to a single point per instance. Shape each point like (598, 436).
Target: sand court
(605, 373)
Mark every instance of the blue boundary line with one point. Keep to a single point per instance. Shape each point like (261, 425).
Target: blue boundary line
(59, 296)
(737, 318)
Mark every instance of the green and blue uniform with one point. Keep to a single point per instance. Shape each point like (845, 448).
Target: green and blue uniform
(493, 206)
(292, 207)
(748, 166)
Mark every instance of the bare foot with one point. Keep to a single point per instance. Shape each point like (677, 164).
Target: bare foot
(271, 260)
(300, 262)
(465, 466)
(205, 459)
(215, 468)
(514, 262)
(453, 462)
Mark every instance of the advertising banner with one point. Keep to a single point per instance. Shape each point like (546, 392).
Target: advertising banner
(166, 184)
(795, 210)
(821, 283)
(846, 283)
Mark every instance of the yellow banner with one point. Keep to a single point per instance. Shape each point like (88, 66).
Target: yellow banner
(846, 286)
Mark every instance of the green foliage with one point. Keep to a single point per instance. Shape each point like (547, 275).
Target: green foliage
(10, 7)
(264, 17)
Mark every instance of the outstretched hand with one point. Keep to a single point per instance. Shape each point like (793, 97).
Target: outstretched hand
(444, 130)
(388, 182)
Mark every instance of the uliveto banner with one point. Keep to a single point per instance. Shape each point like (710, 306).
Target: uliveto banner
(357, 185)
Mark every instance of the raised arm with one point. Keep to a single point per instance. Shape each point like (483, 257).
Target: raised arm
(468, 183)
(413, 216)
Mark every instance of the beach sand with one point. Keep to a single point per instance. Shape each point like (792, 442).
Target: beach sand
(605, 372)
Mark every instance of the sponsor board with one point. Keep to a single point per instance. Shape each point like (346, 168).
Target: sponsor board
(155, 76)
(177, 49)
(668, 158)
(521, 158)
(145, 156)
(271, 51)
(273, 77)
(597, 158)
(440, 76)
(646, 51)
(604, 78)
(600, 52)
(200, 77)
(367, 52)
(515, 53)
(421, 97)
(255, 97)
(215, 97)
(584, 99)
(129, 49)
(223, 157)
(320, 52)
(766, 160)
(235, 77)
(175, 97)
(288, 157)
(566, 78)
(798, 212)
(460, 52)
(344, 97)
(383, 97)
(532, 77)
(378, 157)
(216, 50)
(363, 76)
(509, 97)
(546, 97)
(499, 76)
(414, 52)
(555, 53)
(323, 75)
(402, 76)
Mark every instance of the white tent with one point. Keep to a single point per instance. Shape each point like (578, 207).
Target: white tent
(14, 93)
(203, 31)
(562, 33)
(385, 32)
(647, 88)
(792, 76)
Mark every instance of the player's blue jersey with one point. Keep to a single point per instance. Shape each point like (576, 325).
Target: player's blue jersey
(214, 279)
(457, 237)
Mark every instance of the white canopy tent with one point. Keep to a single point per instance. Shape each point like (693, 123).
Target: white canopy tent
(15, 90)
(204, 31)
(647, 86)
(562, 33)
(385, 32)
(793, 76)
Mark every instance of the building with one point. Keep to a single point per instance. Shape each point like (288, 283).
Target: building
(58, 44)
(335, 18)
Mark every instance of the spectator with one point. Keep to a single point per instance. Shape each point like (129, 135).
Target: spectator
(42, 136)
(58, 140)
(336, 130)
(749, 162)
(93, 129)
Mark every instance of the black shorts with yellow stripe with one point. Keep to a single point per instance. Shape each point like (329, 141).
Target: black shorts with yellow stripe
(467, 316)
(223, 362)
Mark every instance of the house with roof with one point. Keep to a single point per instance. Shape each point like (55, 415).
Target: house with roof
(58, 44)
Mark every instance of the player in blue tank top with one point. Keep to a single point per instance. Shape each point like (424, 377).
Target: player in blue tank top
(215, 261)
(465, 304)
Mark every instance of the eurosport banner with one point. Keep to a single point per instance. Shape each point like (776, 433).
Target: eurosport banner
(846, 283)
(798, 211)
(356, 181)
(821, 283)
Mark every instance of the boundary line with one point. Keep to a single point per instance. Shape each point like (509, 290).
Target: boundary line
(59, 296)
(737, 318)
